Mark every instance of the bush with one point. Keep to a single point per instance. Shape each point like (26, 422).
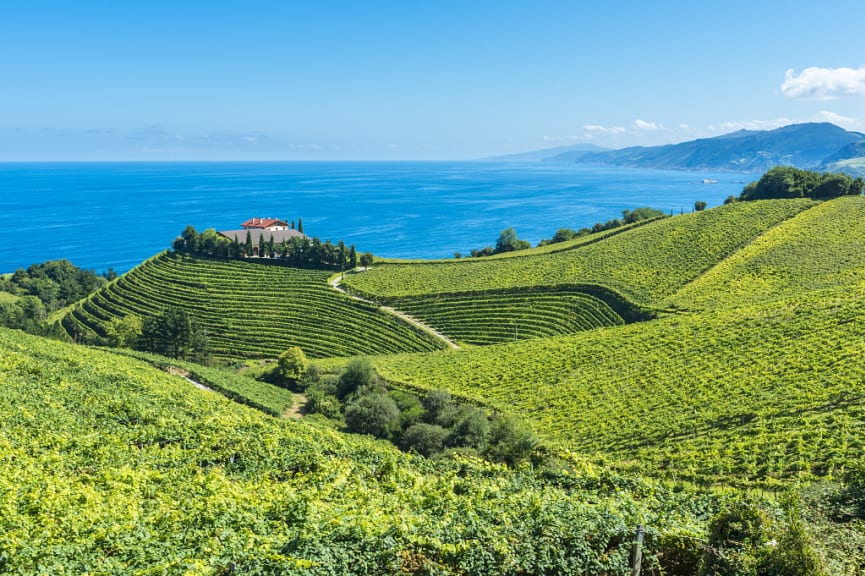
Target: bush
(372, 412)
(320, 402)
(411, 411)
(292, 365)
(435, 403)
(734, 534)
(425, 439)
(359, 373)
(510, 441)
(471, 429)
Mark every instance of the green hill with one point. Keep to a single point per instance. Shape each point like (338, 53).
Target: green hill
(250, 309)
(820, 248)
(756, 394)
(646, 264)
(503, 315)
(108, 466)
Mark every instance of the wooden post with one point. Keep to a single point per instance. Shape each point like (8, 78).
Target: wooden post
(637, 551)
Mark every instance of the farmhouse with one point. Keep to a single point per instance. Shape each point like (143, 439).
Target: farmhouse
(271, 224)
(262, 230)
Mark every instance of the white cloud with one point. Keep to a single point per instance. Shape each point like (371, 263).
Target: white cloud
(754, 124)
(837, 119)
(598, 129)
(643, 125)
(824, 83)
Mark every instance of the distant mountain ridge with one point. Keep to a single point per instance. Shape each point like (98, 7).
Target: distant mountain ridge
(810, 146)
(572, 151)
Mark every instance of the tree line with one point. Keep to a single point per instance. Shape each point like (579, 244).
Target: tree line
(301, 252)
(34, 293)
(430, 424)
(509, 242)
(789, 182)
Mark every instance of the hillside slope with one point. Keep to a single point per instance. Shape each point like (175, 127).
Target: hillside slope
(646, 264)
(819, 248)
(799, 145)
(108, 466)
(756, 394)
(251, 309)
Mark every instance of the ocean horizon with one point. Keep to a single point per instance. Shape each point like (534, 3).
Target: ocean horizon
(116, 214)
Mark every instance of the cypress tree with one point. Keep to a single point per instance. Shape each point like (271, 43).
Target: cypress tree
(300, 225)
(352, 257)
(248, 245)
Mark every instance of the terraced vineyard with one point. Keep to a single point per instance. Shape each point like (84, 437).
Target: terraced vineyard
(251, 309)
(505, 315)
(646, 264)
(820, 248)
(745, 395)
(109, 466)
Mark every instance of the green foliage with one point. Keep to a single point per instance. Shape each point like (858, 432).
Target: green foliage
(789, 182)
(358, 374)
(734, 536)
(425, 439)
(747, 395)
(510, 441)
(173, 333)
(645, 264)
(505, 315)
(699, 206)
(373, 412)
(818, 249)
(292, 364)
(124, 331)
(262, 396)
(508, 242)
(108, 466)
(249, 310)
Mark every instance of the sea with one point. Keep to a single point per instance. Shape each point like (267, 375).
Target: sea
(114, 215)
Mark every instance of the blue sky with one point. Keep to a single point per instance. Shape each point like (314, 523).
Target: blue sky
(326, 80)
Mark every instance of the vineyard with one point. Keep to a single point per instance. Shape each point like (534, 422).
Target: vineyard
(820, 248)
(754, 395)
(268, 398)
(250, 310)
(505, 315)
(646, 264)
(110, 466)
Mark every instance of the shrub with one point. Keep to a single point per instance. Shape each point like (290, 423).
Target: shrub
(734, 534)
(372, 412)
(357, 374)
(510, 441)
(292, 365)
(425, 439)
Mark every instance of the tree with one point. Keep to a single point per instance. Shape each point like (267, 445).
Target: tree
(247, 246)
(124, 332)
(170, 333)
(373, 412)
(510, 441)
(508, 242)
(788, 182)
(359, 373)
(563, 235)
(699, 206)
(425, 439)
(292, 364)
(366, 259)
(637, 214)
(352, 257)
(300, 225)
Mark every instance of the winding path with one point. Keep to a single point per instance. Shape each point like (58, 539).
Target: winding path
(336, 284)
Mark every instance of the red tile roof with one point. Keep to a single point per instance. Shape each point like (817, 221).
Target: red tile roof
(261, 223)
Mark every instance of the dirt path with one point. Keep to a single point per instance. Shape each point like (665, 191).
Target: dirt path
(336, 284)
(185, 375)
(296, 410)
